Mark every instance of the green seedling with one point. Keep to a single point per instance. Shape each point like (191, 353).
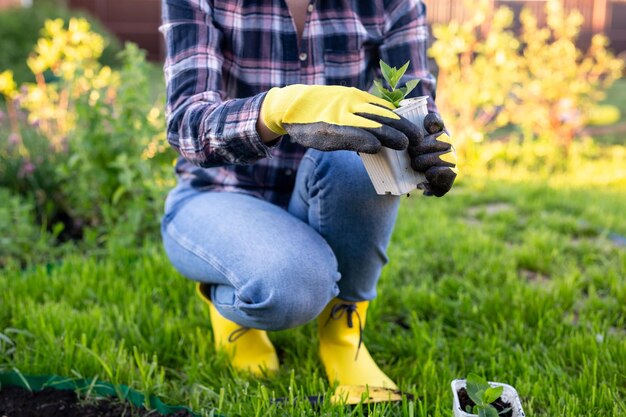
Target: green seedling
(483, 395)
(392, 76)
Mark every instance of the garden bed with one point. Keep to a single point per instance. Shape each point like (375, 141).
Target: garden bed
(53, 396)
(19, 402)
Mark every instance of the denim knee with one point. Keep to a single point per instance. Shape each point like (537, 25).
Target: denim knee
(285, 306)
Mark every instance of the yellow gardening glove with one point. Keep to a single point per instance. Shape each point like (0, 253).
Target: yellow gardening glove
(331, 118)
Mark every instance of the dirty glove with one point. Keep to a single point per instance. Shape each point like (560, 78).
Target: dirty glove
(331, 118)
(434, 156)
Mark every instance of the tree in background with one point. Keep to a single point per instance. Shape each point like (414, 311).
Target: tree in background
(538, 84)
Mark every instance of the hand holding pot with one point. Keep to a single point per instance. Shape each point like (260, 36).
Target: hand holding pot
(434, 155)
(332, 118)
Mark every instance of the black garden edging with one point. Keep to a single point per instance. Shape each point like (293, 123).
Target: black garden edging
(95, 389)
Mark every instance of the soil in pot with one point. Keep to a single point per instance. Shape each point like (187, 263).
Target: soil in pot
(465, 400)
(19, 402)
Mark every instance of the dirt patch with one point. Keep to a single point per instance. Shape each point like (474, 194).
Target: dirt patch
(489, 209)
(534, 276)
(605, 130)
(18, 402)
(465, 400)
(617, 240)
(473, 221)
(476, 213)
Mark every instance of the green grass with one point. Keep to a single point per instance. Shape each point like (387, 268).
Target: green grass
(616, 95)
(614, 134)
(522, 283)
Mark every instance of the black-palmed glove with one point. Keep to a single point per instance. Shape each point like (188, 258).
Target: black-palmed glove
(434, 156)
(330, 118)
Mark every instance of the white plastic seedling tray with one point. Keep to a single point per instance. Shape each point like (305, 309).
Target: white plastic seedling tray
(509, 395)
(390, 170)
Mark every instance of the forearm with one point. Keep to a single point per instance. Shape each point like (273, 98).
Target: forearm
(205, 129)
(211, 133)
(201, 126)
(264, 132)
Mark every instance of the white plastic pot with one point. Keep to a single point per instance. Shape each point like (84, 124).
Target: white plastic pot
(509, 395)
(390, 170)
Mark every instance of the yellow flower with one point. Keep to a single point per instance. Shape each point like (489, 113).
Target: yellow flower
(7, 84)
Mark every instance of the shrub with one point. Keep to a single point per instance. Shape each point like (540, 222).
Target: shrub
(20, 28)
(477, 71)
(560, 84)
(538, 85)
(22, 241)
(27, 168)
(88, 148)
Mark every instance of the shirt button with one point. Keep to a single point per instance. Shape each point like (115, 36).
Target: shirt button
(310, 8)
(288, 172)
(303, 56)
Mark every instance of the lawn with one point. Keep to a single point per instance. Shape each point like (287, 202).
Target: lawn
(615, 133)
(521, 282)
(616, 95)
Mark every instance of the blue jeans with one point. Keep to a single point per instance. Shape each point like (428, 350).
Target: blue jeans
(271, 268)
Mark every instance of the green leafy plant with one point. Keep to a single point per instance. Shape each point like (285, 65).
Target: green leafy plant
(483, 395)
(392, 76)
(22, 240)
(86, 148)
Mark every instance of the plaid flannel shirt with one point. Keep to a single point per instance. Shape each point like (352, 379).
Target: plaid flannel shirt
(222, 57)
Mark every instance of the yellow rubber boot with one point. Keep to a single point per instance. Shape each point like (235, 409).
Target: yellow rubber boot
(248, 349)
(345, 358)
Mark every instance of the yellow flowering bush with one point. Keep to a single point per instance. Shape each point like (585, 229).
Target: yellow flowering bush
(85, 141)
(71, 56)
(477, 71)
(560, 84)
(537, 85)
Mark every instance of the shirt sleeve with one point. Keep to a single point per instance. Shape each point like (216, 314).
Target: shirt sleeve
(406, 38)
(203, 126)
